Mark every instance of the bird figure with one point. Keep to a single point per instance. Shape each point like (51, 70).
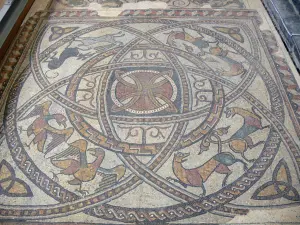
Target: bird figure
(41, 128)
(73, 161)
(196, 177)
(110, 176)
(236, 68)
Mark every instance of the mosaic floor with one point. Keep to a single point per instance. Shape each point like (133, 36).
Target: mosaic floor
(152, 117)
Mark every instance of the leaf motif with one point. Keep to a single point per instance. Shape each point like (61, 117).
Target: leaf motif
(266, 192)
(19, 189)
(10, 185)
(234, 33)
(237, 37)
(205, 145)
(222, 131)
(279, 187)
(282, 172)
(57, 32)
(6, 171)
(224, 30)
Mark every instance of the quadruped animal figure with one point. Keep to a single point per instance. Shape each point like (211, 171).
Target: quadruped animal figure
(197, 46)
(241, 141)
(79, 44)
(196, 177)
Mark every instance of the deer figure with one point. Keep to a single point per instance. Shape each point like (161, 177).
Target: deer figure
(196, 177)
(83, 44)
(240, 141)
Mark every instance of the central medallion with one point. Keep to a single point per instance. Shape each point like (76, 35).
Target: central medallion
(144, 92)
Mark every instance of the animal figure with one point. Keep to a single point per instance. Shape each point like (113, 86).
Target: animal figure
(79, 168)
(41, 129)
(68, 52)
(184, 36)
(240, 141)
(236, 68)
(198, 43)
(198, 176)
(117, 171)
(84, 44)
